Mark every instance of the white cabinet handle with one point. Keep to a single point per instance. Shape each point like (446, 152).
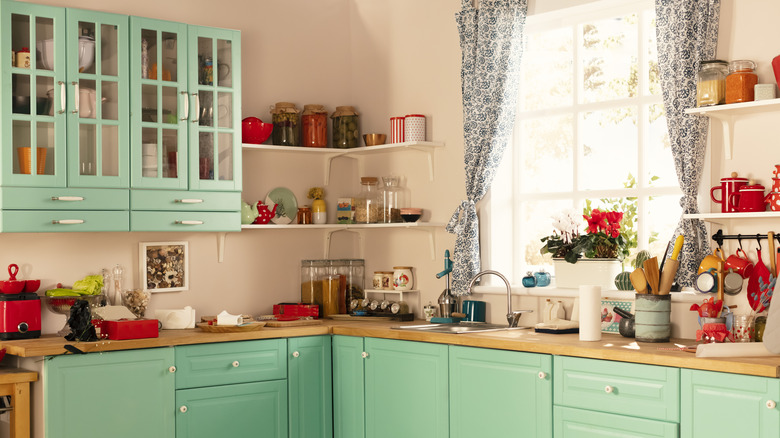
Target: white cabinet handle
(771, 404)
(197, 108)
(186, 106)
(75, 96)
(296, 354)
(67, 221)
(172, 369)
(183, 409)
(364, 355)
(67, 198)
(608, 389)
(235, 364)
(188, 201)
(542, 375)
(188, 222)
(62, 97)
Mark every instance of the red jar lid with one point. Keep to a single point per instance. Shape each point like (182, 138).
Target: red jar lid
(415, 115)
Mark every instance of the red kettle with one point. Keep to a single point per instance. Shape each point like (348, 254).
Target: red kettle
(264, 215)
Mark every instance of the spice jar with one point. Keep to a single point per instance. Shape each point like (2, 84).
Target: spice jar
(368, 203)
(392, 200)
(315, 126)
(711, 82)
(741, 81)
(345, 127)
(304, 215)
(285, 119)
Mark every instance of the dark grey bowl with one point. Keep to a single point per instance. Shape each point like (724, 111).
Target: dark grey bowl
(21, 104)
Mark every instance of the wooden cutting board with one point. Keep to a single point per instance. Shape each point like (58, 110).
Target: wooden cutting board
(272, 323)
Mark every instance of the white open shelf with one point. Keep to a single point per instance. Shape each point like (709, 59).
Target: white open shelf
(725, 219)
(403, 295)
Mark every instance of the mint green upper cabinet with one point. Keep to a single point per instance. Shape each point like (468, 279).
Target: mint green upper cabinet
(32, 95)
(728, 405)
(310, 387)
(159, 104)
(501, 392)
(98, 104)
(214, 66)
(128, 393)
(348, 388)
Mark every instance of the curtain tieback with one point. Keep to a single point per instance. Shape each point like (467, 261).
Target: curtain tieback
(461, 215)
(689, 204)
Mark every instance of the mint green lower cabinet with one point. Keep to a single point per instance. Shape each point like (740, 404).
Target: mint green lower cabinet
(241, 410)
(310, 383)
(407, 392)
(122, 394)
(503, 392)
(580, 423)
(729, 405)
(348, 388)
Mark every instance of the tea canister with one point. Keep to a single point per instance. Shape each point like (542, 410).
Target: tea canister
(397, 130)
(377, 282)
(386, 282)
(414, 127)
(23, 58)
(403, 279)
(711, 82)
(741, 81)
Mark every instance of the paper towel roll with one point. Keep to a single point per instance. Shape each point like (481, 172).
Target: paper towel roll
(590, 313)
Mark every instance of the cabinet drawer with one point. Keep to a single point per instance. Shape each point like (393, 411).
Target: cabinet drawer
(28, 198)
(580, 423)
(230, 362)
(182, 200)
(646, 391)
(184, 221)
(48, 221)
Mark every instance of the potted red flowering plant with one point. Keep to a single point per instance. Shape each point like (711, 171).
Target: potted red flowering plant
(603, 240)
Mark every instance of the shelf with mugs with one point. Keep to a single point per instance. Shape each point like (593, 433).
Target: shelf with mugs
(728, 114)
(726, 219)
(426, 147)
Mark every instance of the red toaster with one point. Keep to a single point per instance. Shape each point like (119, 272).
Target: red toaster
(20, 316)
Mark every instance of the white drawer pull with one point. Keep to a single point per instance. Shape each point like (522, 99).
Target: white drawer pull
(188, 222)
(67, 198)
(183, 409)
(296, 354)
(68, 221)
(608, 389)
(236, 364)
(172, 369)
(188, 201)
(771, 404)
(542, 375)
(364, 355)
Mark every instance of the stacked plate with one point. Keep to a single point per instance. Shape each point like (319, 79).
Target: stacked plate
(149, 160)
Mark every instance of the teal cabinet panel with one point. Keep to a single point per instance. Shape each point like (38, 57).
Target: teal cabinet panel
(578, 423)
(348, 387)
(129, 393)
(729, 405)
(230, 362)
(54, 221)
(638, 390)
(191, 221)
(310, 387)
(180, 200)
(242, 410)
(499, 391)
(406, 389)
(65, 198)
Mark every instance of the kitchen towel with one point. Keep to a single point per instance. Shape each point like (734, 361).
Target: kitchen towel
(772, 330)
(590, 313)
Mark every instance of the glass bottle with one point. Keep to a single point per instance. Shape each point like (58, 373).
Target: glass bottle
(286, 128)
(529, 280)
(314, 120)
(392, 199)
(711, 82)
(118, 273)
(542, 278)
(368, 203)
(346, 129)
(741, 81)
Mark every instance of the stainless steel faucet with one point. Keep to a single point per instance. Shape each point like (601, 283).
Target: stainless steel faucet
(511, 317)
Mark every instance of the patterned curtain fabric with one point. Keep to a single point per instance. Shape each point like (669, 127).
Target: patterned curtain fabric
(687, 32)
(491, 45)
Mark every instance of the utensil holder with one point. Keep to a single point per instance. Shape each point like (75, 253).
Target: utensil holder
(653, 318)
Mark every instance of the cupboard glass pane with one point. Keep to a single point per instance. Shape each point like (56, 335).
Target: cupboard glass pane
(170, 148)
(169, 61)
(20, 98)
(206, 117)
(206, 61)
(109, 143)
(148, 53)
(225, 156)
(86, 47)
(109, 50)
(87, 99)
(170, 105)
(21, 142)
(109, 108)
(20, 38)
(225, 110)
(149, 152)
(44, 94)
(149, 103)
(206, 156)
(44, 138)
(44, 43)
(87, 149)
(224, 63)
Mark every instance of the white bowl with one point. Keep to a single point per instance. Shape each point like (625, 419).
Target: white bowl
(86, 53)
(46, 48)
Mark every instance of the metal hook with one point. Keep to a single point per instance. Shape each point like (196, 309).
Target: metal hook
(739, 240)
(758, 239)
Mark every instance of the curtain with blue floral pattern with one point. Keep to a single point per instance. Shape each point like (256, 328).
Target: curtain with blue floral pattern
(687, 33)
(491, 45)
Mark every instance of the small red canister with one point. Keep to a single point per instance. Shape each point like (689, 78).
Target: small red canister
(749, 198)
(397, 130)
(727, 187)
(414, 127)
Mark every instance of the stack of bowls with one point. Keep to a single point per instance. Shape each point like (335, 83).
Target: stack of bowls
(149, 160)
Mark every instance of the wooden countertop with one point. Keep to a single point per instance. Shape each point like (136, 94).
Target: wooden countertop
(611, 347)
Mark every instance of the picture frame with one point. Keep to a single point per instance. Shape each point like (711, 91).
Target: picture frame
(164, 266)
(610, 321)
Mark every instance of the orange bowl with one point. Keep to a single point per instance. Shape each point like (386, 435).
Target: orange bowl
(254, 131)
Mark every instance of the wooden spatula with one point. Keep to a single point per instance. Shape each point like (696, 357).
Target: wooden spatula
(652, 274)
(638, 280)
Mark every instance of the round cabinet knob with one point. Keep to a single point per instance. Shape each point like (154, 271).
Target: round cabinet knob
(23, 327)
(542, 375)
(235, 364)
(771, 404)
(364, 355)
(183, 409)
(171, 369)
(608, 389)
(296, 354)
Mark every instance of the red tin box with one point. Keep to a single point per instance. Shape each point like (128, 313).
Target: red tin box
(297, 310)
(130, 329)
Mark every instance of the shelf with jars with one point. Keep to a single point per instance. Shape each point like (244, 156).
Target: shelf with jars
(403, 296)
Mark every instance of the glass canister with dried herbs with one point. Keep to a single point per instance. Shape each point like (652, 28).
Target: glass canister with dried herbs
(368, 202)
(346, 127)
(315, 126)
(285, 117)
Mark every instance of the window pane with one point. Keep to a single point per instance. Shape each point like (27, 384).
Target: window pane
(547, 64)
(609, 148)
(654, 86)
(536, 217)
(547, 154)
(609, 59)
(658, 149)
(663, 214)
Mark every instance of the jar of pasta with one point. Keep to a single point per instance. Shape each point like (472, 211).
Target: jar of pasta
(741, 81)
(711, 83)
(315, 126)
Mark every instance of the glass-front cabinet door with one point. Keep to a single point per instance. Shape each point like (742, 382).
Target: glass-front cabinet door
(214, 131)
(33, 93)
(160, 104)
(98, 106)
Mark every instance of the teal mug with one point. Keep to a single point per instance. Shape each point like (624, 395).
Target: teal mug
(474, 310)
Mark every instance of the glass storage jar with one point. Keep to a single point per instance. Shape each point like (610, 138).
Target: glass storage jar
(368, 203)
(393, 199)
(740, 82)
(312, 273)
(285, 117)
(351, 273)
(711, 82)
(314, 120)
(346, 129)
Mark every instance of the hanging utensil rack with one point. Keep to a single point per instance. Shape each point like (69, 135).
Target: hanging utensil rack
(719, 237)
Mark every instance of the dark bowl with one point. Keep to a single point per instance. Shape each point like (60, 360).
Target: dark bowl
(21, 104)
(42, 106)
(411, 217)
(32, 285)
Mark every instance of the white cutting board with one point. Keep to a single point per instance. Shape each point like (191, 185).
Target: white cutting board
(772, 330)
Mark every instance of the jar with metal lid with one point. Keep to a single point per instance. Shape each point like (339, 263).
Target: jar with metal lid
(346, 129)
(315, 126)
(399, 308)
(711, 82)
(285, 117)
(393, 200)
(741, 81)
(368, 203)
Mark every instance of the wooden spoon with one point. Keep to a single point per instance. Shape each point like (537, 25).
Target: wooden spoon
(638, 280)
(652, 274)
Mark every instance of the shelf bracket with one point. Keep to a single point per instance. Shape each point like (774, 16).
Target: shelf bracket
(221, 247)
(329, 161)
(431, 239)
(329, 233)
(429, 152)
(727, 125)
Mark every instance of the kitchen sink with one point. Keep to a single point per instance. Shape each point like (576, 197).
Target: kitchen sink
(457, 328)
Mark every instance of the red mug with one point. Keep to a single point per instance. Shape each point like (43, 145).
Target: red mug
(739, 263)
(727, 187)
(749, 198)
(773, 199)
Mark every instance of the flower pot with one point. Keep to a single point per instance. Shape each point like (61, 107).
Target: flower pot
(596, 272)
